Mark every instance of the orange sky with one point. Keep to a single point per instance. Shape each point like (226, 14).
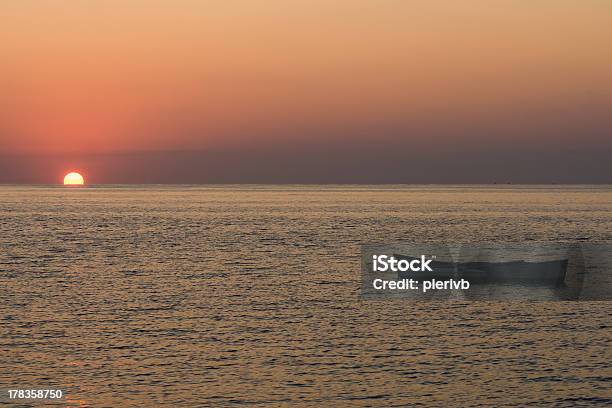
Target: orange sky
(136, 75)
(121, 75)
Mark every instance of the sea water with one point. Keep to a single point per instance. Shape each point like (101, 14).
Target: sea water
(217, 295)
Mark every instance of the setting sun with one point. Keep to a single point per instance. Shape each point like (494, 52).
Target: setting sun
(73, 179)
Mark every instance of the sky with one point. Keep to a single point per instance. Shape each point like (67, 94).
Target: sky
(306, 91)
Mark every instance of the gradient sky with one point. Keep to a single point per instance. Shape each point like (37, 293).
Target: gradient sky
(131, 91)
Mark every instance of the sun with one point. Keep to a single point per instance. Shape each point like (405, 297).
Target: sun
(73, 179)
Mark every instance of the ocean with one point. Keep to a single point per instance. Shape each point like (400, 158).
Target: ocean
(132, 296)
